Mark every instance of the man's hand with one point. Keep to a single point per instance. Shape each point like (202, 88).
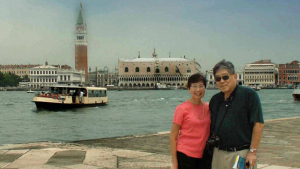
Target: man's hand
(251, 159)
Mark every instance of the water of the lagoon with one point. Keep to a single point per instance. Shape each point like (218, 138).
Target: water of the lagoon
(128, 113)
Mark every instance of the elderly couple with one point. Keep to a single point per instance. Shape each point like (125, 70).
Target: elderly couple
(234, 115)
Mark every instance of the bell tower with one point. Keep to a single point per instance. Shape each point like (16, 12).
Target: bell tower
(81, 52)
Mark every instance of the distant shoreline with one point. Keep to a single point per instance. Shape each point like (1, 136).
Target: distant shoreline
(115, 88)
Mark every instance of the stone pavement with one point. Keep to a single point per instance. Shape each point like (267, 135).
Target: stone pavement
(279, 149)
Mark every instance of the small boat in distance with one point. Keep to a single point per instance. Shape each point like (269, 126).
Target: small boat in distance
(160, 86)
(29, 91)
(296, 92)
(68, 97)
(255, 87)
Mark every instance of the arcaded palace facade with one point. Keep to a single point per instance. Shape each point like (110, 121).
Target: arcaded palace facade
(81, 48)
(149, 72)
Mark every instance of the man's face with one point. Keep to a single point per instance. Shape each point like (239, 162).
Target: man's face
(225, 81)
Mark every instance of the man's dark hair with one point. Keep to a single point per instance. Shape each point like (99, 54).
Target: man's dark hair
(224, 65)
(195, 78)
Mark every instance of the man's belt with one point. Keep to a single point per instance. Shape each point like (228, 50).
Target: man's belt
(234, 148)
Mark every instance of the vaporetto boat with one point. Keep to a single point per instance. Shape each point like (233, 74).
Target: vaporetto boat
(68, 97)
(296, 92)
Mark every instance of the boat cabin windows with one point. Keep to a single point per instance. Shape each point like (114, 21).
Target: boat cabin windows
(69, 91)
(97, 93)
(72, 92)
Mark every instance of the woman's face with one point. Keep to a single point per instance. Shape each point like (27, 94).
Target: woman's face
(197, 90)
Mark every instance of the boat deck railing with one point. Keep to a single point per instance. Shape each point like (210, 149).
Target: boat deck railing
(53, 96)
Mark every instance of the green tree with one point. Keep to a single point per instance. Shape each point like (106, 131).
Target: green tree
(1, 79)
(9, 79)
(25, 78)
(6, 79)
(15, 79)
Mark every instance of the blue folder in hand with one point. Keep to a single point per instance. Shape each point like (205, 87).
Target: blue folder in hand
(240, 163)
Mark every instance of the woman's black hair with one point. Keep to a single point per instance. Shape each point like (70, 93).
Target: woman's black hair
(195, 78)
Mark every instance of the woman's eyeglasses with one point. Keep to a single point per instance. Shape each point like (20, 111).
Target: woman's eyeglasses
(196, 87)
(218, 79)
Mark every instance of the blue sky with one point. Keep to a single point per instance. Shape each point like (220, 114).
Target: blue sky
(242, 31)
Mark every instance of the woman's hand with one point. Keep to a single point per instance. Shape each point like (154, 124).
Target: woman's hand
(174, 166)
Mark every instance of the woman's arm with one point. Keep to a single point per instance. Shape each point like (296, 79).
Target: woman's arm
(173, 140)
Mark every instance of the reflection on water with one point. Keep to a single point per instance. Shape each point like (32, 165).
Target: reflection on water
(128, 112)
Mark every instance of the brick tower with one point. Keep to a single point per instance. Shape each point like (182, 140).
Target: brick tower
(81, 52)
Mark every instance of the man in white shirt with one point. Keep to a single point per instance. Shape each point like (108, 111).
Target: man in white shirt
(80, 96)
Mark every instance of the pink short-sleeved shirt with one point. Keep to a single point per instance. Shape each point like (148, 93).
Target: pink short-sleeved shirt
(194, 132)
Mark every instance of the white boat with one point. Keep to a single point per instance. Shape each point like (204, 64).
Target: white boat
(29, 91)
(174, 87)
(68, 97)
(256, 88)
(161, 86)
(296, 92)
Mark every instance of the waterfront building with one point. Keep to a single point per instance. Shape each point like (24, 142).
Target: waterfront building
(149, 72)
(20, 70)
(211, 84)
(24, 84)
(46, 75)
(210, 80)
(289, 73)
(70, 77)
(240, 77)
(262, 73)
(103, 77)
(81, 48)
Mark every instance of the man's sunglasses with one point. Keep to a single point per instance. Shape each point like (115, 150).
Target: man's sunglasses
(223, 77)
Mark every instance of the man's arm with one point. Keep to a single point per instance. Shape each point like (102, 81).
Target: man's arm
(256, 137)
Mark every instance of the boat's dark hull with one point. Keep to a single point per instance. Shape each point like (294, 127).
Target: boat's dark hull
(296, 97)
(56, 106)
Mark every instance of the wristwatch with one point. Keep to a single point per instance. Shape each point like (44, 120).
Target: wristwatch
(252, 150)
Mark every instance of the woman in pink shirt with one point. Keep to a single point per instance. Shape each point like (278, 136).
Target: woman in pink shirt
(191, 127)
